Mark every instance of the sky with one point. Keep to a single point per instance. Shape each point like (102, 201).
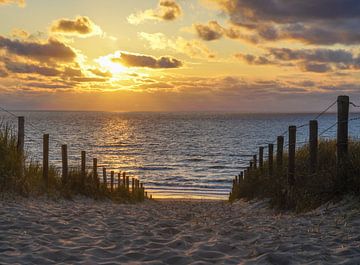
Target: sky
(178, 55)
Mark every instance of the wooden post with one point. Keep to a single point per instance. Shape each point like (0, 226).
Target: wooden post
(83, 168)
(279, 152)
(127, 183)
(124, 180)
(104, 177)
(21, 143)
(119, 180)
(46, 160)
(342, 141)
(313, 145)
(261, 157)
(241, 176)
(64, 157)
(292, 150)
(236, 180)
(271, 159)
(95, 173)
(255, 161)
(133, 185)
(251, 165)
(112, 181)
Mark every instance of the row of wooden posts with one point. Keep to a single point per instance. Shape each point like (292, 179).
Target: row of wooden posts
(341, 150)
(123, 180)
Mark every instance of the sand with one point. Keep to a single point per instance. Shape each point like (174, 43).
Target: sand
(39, 231)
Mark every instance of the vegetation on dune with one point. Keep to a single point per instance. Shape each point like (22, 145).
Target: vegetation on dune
(28, 180)
(310, 189)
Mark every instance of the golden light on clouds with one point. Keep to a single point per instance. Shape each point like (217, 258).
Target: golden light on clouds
(107, 64)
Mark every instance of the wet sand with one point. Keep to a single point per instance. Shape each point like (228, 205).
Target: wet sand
(39, 231)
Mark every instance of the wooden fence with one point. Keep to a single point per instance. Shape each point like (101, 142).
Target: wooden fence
(137, 188)
(343, 103)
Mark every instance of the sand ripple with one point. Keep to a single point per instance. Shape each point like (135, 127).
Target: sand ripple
(35, 231)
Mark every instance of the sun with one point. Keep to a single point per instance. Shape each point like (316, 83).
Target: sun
(108, 65)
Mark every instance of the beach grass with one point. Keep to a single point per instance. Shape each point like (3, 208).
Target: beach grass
(26, 178)
(311, 189)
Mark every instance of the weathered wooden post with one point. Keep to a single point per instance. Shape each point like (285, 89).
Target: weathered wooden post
(342, 141)
(255, 161)
(124, 180)
(119, 180)
(133, 185)
(292, 150)
(95, 172)
(271, 159)
(21, 143)
(112, 181)
(261, 157)
(104, 177)
(64, 157)
(46, 160)
(127, 183)
(251, 165)
(279, 152)
(236, 180)
(313, 145)
(83, 168)
(241, 176)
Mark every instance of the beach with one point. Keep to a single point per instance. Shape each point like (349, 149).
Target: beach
(84, 231)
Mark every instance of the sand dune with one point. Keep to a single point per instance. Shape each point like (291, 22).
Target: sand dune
(175, 232)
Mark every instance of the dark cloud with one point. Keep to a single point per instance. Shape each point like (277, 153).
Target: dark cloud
(212, 31)
(137, 60)
(252, 59)
(309, 60)
(81, 25)
(52, 50)
(24, 68)
(324, 22)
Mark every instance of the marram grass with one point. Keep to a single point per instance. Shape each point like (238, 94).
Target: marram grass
(311, 189)
(30, 182)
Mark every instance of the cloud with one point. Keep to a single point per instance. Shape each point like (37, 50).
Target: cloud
(139, 60)
(192, 48)
(212, 31)
(324, 22)
(24, 68)
(3, 73)
(316, 60)
(20, 3)
(51, 50)
(100, 73)
(81, 26)
(168, 10)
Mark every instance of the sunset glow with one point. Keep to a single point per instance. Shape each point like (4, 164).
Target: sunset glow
(175, 55)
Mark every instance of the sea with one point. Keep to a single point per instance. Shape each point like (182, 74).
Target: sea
(176, 155)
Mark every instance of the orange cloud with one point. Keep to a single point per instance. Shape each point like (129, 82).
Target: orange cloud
(20, 3)
(80, 26)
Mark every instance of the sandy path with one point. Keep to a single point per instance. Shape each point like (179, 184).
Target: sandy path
(175, 232)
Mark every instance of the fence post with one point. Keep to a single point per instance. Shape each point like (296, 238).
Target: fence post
(83, 168)
(261, 157)
(313, 144)
(292, 149)
(119, 180)
(251, 165)
(255, 161)
(95, 173)
(124, 180)
(112, 181)
(133, 185)
(46, 160)
(279, 152)
(271, 159)
(64, 157)
(127, 183)
(21, 142)
(342, 140)
(104, 177)
(241, 176)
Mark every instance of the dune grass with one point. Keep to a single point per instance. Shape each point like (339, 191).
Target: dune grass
(311, 189)
(28, 181)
